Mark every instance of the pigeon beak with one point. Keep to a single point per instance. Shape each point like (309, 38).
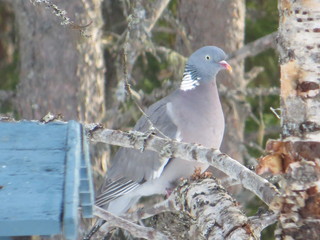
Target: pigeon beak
(226, 65)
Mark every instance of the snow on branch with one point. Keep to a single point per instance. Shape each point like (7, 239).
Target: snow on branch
(191, 152)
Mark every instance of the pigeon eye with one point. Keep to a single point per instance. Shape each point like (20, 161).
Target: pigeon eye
(207, 57)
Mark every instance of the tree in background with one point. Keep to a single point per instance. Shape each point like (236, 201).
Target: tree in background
(59, 70)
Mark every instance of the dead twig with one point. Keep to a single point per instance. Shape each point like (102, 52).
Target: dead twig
(136, 230)
(62, 15)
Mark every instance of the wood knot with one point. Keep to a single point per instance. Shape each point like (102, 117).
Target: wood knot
(308, 89)
(308, 126)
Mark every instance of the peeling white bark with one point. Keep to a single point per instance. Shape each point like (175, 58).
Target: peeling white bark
(215, 214)
(299, 46)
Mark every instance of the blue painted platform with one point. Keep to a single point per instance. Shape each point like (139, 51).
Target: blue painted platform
(44, 177)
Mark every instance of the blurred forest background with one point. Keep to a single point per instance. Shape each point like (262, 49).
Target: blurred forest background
(49, 64)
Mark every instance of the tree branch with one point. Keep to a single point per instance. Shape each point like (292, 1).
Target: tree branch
(144, 213)
(134, 229)
(254, 48)
(157, 9)
(215, 214)
(252, 74)
(249, 92)
(249, 50)
(61, 14)
(190, 152)
(140, 25)
(260, 222)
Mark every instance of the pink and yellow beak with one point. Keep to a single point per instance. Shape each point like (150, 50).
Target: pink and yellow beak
(226, 66)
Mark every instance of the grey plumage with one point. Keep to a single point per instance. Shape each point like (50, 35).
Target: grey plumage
(192, 113)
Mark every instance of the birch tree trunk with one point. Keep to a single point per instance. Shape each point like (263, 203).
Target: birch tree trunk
(299, 148)
(60, 70)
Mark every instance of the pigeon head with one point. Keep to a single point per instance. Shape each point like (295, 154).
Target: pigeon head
(203, 66)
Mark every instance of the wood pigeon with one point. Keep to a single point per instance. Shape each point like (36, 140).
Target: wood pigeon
(192, 113)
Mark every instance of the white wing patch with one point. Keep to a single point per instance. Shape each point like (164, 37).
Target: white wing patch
(188, 82)
(157, 174)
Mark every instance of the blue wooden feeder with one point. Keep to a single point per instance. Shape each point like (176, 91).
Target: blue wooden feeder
(45, 176)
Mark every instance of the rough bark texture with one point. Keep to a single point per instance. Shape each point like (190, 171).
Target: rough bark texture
(298, 43)
(60, 70)
(136, 230)
(216, 215)
(219, 23)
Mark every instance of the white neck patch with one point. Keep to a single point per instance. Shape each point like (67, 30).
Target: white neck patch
(189, 83)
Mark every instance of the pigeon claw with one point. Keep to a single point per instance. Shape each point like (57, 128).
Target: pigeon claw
(198, 174)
